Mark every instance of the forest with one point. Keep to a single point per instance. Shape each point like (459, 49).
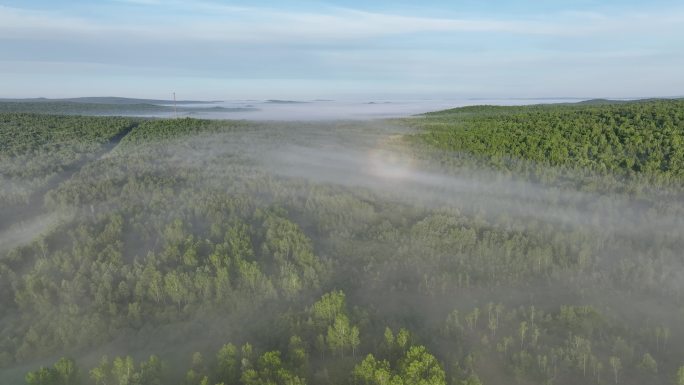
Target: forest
(479, 245)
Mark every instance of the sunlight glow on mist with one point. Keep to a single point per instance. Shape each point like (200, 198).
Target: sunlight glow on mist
(386, 164)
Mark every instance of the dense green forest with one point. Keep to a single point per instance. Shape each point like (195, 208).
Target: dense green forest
(480, 245)
(38, 152)
(643, 139)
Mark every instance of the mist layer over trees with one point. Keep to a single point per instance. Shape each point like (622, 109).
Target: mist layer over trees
(481, 245)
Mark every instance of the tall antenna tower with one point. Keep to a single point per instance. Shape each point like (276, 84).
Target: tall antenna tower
(175, 111)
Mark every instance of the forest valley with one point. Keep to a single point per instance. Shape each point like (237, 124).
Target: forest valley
(480, 245)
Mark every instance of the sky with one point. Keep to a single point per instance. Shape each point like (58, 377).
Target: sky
(260, 49)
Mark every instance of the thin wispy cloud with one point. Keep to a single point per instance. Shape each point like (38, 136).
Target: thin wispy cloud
(236, 24)
(345, 44)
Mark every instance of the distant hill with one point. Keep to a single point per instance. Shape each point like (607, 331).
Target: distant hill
(500, 109)
(276, 101)
(108, 100)
(67, 107)
(608, 101)
(619, 101)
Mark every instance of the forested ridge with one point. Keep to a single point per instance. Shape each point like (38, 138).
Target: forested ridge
(33, 148)
(481, 245)
(107, 107)
(639, 139)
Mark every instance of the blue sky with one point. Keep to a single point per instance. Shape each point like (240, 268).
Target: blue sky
(210, 49)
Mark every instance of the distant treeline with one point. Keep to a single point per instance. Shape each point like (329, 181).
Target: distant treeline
(68, 107)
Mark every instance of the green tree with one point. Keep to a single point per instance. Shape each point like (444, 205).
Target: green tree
(354, 340)
(101, 374)
(326, 309)
(522, 330)
(270, 371)
(67, 371)
(616, 365)
(341, 335)
(174, 288)
(297, 355)
(63, 372)
(228, 362)
(419, 367)
(403, 339)
(151, 371)
(42, 376)
(373, 372)
(648, 364)
(471, 380)
(679, 377)
(123, 370)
